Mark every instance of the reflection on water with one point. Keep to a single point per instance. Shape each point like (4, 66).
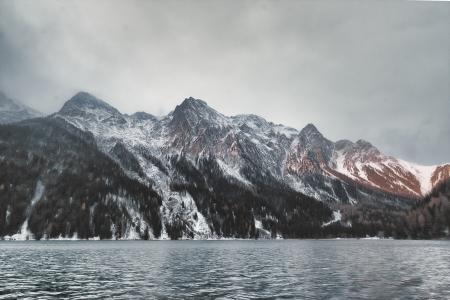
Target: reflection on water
(297, 269)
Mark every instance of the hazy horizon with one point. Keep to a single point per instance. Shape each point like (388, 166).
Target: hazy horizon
(373, 71)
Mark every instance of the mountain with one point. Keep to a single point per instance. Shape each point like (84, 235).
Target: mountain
(56, 183)
(218, 176)
(365, 164)
(13, 111)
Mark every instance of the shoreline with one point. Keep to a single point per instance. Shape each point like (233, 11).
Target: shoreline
(218, 239)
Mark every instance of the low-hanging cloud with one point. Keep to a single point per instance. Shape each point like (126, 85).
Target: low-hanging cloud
(377, 71)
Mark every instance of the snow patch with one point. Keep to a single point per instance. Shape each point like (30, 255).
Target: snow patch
(38, 192)
(371, 238)
(232, 172)
(74, 237)
(340, 167)
(263, 233)
(337, 217)
(137, 220)
(422, 173)
(24, 233)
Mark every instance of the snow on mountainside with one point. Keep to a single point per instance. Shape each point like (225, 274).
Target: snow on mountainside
(440, 174)
(365, 164)
(196, 173)
(248, 151)
(249, 142)
(12, 111)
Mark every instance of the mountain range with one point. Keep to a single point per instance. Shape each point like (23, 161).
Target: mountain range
(90, 171)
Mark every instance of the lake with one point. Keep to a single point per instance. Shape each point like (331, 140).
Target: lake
(277, 269)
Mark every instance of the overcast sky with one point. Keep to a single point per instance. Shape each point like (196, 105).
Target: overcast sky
(377, 71)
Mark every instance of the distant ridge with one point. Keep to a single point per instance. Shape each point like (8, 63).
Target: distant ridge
(13, 111)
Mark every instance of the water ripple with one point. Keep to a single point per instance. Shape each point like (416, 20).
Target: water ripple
(304, 269)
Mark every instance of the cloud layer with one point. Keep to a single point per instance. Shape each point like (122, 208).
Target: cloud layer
(377, 71)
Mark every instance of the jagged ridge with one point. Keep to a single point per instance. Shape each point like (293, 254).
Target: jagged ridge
(242, 176)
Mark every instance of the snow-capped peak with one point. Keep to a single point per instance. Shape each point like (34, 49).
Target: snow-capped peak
(365, 145)
(194, 102)
(310, 138)
(84, 101)
(310, 130)
(193, 111)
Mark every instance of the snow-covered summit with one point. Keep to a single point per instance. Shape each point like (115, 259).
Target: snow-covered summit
(192, 112)
(310, 130)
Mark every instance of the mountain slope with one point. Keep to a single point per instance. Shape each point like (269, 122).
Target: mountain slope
(54, 182)
(364, 163)
(13, 111)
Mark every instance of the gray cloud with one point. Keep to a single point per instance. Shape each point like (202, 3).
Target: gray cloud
(378, 71)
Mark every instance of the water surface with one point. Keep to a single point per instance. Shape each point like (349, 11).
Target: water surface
(290, 269)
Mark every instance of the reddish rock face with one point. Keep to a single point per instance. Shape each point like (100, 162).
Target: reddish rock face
(364, 164)
(440, 174)
(300, 161)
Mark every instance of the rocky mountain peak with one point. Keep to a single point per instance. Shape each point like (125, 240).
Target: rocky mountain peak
(195, 106)
(365, 147)
(343, 144)
(310, 131)
(194, 103)
(364, 144)
(360, 146)
(83, 101)
(194, 111)
(310, 137)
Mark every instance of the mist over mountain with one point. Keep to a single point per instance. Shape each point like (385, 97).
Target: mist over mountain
(14, 111)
